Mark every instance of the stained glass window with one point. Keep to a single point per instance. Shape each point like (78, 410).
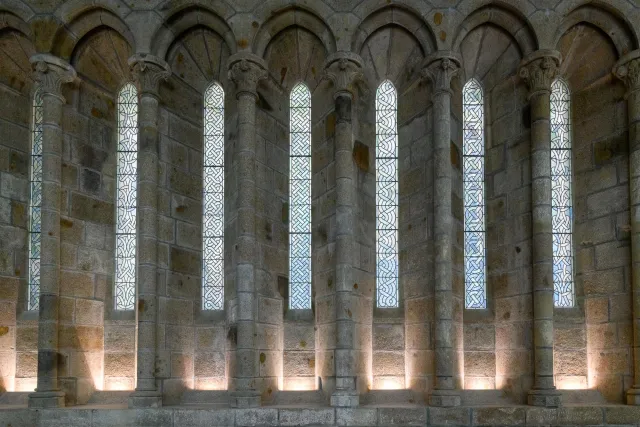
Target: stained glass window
(213, 200)
(126, 198)
(300, 198)
(386, 196)
(561, 199)
(35, 201)
(475, 281)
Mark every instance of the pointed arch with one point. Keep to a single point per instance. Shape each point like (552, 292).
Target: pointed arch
(213, 200)
(561, 195)
(387, 293)
(473, 149)
(35, 202)
(126, 198)
(300, 198)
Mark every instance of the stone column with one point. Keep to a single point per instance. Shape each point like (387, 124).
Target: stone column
(246, 69)
(628, 69)
(538, 71)
(343, 69)
(50, 74)
(440, 69)
(147, 72)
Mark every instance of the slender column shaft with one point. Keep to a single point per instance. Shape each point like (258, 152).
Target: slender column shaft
(628, 69)
(440, 69)
(50, 73)
(538, 72)
(246, 70)
(148, 72)
(344, 70)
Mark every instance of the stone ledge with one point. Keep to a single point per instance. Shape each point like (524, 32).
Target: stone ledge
(184, 416)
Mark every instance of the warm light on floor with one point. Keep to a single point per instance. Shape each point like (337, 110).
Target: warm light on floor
(388, 384)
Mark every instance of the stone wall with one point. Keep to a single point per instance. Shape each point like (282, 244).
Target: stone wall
(493, 348)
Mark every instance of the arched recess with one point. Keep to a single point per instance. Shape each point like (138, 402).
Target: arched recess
(183, 21)
(289, 17)
(509, 20)
(599, 146)
(68, 37)
(397, 16)
(607, 20)
(16, 47)
(19, 8)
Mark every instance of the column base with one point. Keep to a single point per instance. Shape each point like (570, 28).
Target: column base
(145, 399)
(46, 399)
(546, 398)
(245, 399)
(633, 396)
(345, 399)
(445, 398)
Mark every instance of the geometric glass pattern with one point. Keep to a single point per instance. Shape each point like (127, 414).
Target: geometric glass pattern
(386, 196)
(300, 198)
(126, 198)
(35, 202)
(561, 198)
(475, 282)
(213, 200)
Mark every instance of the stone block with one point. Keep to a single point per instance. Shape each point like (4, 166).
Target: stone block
(256, 417)
(185, 261)
(90, 209)
(89, 312)
(388, 337)
(356, 416)
(210, 338)
(182, 365)
(306, 417)
(458, 416)
(210, 364)
(65, 418)
(622, 414)
(203, 417)
(584, 415)
(495, 416)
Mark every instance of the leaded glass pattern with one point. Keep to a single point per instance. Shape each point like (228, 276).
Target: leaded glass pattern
(386, 196)
(35, 203)
(561, 198)
(300, 198)
(126, 198)
(475, 276)
(213, 200)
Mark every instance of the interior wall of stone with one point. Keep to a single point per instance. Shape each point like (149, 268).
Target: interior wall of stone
(96, 350)
(397, 360)
(498, 341)
(601, 229)
(18, 330)
(293, 56)
(194, 350)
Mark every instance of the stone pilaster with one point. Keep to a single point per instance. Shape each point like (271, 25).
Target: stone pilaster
(628, 69)
(50, 74)
(440, 69)
(148, 71)
(538, 71)
(344, 70)
(246, 70)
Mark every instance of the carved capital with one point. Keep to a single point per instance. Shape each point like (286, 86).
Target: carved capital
(440, 69)
(148, 71)
(246, 70)
(344, 70)
(627, 69)
(51, 72)
(540, 70)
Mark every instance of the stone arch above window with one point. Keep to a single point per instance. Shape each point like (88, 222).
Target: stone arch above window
(213, 200)
(473, 152)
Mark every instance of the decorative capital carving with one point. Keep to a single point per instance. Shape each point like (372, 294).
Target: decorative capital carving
(440, 69)
(148, 71)
(51, 72)
(344, 69)
(540, 70)
(627, 69)
(246, 70)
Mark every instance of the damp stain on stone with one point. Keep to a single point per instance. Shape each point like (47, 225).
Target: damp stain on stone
(283, 74)
(355, 286)
(65, 223)
(443, 35)
(437, 18)
(181, 208)
(303, 344)
(263, 357)
(4, 330)
(243, 43)
(255, 24)
(518, 249)
(141, 306)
